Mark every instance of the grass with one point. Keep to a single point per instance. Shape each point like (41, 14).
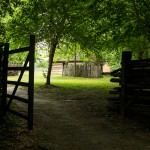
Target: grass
(74, 88)
(83, 83)
(71, 82)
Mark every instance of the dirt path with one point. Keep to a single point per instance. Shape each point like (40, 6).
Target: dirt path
(77, 120)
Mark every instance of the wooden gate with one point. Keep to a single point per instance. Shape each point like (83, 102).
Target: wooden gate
(7, 98)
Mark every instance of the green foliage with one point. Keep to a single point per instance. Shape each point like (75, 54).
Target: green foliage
(18, 58)
(42, 64)
(67, 50)
(101, 30)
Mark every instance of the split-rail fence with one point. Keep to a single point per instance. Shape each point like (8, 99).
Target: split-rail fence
(133, 91)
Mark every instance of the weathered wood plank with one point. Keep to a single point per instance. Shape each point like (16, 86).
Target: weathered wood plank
(18, 68)
(19, 50)
(137, 86)
(117, 80)
(116, 73)
(125, 69)
(18, 114)
(140, 61)
(31, 82)
(24, 100)
(4, 78)
(140, 109)
(117, 88)
(139, 72)
(114, 92)
(18, 83)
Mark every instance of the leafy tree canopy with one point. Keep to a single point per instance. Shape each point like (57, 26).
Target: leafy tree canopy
(103, 28)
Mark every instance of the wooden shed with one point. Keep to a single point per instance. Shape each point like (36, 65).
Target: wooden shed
(82, 69)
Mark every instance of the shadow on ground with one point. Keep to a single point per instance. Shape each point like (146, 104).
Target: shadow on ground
(67, 119)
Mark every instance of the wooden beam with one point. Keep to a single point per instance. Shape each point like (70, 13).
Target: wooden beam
(126, 67)
(18, 68)
(31, 82)
(24, 100)
(17, 114)
(20, 50)
(4, 78)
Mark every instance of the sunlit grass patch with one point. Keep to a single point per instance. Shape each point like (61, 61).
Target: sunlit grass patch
(83, 83)
(71, 82)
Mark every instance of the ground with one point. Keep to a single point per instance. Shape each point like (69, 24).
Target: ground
(69, 119)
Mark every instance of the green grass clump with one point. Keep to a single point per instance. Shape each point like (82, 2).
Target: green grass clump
(71, 82)
(83, 83)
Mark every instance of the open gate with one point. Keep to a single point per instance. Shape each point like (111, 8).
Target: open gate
(7, 98)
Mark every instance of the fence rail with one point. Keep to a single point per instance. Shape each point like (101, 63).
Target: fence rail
(133, 91)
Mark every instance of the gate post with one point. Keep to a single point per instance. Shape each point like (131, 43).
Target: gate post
(4, 77)
(125, 68)
(31, 82)
(1, 78)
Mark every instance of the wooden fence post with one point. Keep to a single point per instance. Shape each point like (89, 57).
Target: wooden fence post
(1, 79)
(31, 81)
(126, 65)
(4, 77)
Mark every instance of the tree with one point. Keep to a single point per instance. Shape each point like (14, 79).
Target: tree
(117, 26)
(50, 20)
(6, 7)
(122, 21)
(97, 26)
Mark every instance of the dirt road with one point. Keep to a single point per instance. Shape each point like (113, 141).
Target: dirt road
(76, 120)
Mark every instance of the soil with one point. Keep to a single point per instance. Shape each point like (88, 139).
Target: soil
(68, 119)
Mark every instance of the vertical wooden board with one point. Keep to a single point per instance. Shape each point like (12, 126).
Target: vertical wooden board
(31, 82)
(126, 66)
(1, 78)
(4, 78)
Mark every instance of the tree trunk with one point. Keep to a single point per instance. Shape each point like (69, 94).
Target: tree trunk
(54, 42)
(75, 63)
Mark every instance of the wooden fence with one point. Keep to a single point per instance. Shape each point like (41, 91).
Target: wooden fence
(87, 70)
(133, 91)
(57, 68)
